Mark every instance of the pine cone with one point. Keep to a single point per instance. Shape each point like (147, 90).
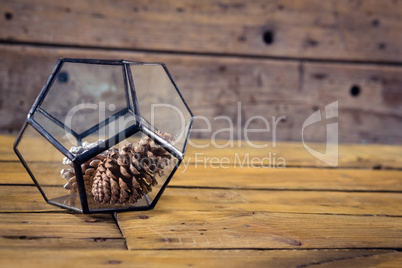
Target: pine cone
(126, 175)
(88, 168)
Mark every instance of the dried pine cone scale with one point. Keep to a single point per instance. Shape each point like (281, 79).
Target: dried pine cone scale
(88, 168)
(120, 176)
(126, 175)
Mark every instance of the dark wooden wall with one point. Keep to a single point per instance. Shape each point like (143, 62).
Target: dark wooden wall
(278, 58)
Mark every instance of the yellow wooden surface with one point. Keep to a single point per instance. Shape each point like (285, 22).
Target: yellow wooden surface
(28, 199)
(277, 179)
(302, 215)
(256, 229)
(202, 258)
(58, 230)
(293, 153)
(229, 215)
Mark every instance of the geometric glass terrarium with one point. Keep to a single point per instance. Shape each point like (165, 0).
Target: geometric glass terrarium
(105, 135)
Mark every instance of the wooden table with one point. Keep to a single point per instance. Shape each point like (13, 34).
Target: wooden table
(300, 216)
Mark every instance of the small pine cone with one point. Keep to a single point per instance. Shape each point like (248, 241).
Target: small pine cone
(128, 174)
(88, 168)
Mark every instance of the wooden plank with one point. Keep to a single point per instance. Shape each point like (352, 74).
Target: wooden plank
(199, 258)
(334, 29)
(291, 154)
(27, 242)
(383, 204)
(219, 153)
(247, 230)
(191, 175)
(287, 98)
(6, 148)
(214, 86)
(288, 178)
(13, 173)
(392, 260)
(59, 225)
(56, 230)
(24, 199)
(28, 199)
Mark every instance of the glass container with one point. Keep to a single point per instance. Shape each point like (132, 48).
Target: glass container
(105, 135)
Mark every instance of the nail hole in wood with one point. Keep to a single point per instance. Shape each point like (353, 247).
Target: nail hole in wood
(375, 22)
(355, 91)
(268, 37)
(8, 15)
(382, 46)
(114, 262)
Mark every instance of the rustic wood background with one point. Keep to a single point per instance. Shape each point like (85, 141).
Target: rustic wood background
(278, 58)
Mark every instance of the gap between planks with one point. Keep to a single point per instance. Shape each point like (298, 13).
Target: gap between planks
(203, 54)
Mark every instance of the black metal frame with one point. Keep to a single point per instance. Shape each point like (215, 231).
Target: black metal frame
(132, 107)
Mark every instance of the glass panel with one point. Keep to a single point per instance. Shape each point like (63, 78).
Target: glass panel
(160, 104)
(131, 175)
(116, 125)
(63, 136)
(84, 97)
(46, 164)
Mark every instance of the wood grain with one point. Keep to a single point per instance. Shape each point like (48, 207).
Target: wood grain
(382, 204)
(292, 154)
(26, 242)
(28, 199)
(392, 260)
(215, 85)
(219, 153)
(341, 30)
(231, 217)
(254, 178)
(6, 148)
(24, 199)
(53, 224)
(56, 230)
(199, 258)
(246, 230)
(289, 179)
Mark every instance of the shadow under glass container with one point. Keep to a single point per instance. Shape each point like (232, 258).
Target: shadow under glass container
(105, 135)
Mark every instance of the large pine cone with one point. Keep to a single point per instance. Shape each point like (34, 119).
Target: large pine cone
(126, 175)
